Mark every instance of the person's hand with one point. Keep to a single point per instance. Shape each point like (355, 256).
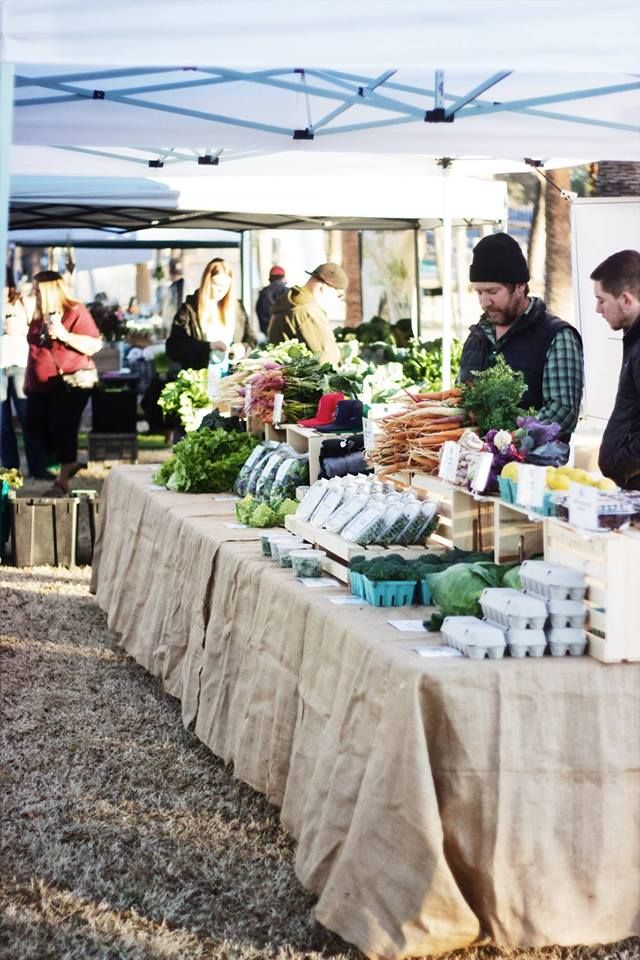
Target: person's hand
(56, 329)
(218, 345)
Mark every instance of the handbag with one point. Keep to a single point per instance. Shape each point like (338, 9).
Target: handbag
(80, 379)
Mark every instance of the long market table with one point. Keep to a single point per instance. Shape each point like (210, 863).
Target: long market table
(432, 799)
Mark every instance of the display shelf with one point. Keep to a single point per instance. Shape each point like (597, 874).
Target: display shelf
(307, 440)
(466, 520)
(611, 562)
(339, 551)
(518, 533)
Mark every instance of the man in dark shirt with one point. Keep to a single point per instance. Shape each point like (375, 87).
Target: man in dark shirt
(268, 295)
(617, 292)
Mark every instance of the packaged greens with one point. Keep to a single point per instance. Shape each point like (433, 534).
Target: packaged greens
(329, 503)
(312, 498)
(398, 517)
(292, 472)
(416, 530)
(258, 454)
(267, 476)
(347, 510)
(368, 524)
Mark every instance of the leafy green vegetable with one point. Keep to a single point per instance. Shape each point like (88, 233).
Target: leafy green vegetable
(263, 516)
(184, 396)
(456, 590)
(206, 461)
(257, 514)
(493, 397)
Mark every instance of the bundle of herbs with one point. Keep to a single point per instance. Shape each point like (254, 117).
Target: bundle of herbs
(186, 397)
(492, 398)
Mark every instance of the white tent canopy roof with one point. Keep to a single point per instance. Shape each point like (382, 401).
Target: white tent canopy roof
(534, 78)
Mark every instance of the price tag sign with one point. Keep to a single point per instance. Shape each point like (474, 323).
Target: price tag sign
(530, 486)
(437, 652)
(247, 400)
(481, 473)
(449, 461)
(583, 506)
(369, 431)
(278, 403)
(408, 626)
(213, 380)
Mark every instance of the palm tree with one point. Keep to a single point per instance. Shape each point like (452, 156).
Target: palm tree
(617, 179)
(558, 292)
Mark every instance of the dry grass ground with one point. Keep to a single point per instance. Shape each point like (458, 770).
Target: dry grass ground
(124, 838)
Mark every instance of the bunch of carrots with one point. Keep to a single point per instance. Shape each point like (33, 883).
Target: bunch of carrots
(414, 437)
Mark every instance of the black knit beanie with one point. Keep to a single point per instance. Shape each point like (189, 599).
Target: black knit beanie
(498, 259)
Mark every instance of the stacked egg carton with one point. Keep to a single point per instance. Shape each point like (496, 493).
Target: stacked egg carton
(473, 637)
(520, 616)
(563, 590)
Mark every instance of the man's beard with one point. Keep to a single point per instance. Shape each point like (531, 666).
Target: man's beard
(501, 318)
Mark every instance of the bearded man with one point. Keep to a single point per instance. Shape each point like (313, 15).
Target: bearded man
(541, 346)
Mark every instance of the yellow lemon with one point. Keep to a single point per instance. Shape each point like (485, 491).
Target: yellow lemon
(606, 484)
(559, 482)
(565, 469)
(510, 471)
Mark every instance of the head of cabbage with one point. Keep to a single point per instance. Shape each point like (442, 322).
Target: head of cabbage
(456, 590)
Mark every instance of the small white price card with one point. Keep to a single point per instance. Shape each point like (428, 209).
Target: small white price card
(530, 486)
(278, 403)
(437, 652)
(369, 431)
(226, 497)
(481, 473)
(583, 506)
(345, 600)
(236, 526)
(247, 400)
(449, 461)
(154, 487)
(408, 626)
(316, 582)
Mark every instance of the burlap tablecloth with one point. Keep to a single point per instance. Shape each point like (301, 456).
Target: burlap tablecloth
(431, 799)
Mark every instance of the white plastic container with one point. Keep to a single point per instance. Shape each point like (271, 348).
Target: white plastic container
(513, 609)
(473, 637)
(563, 640)
(307, 563)
(285, 540)
(526, 641)
(553, 581)
(567, 613)
(286, 549)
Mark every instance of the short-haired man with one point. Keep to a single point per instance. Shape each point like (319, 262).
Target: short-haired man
(301, 313)
(268, 295)
(617, 291)
(545, 349)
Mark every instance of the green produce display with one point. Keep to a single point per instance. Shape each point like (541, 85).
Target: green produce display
(257, 514)
(184, 396)
(206, 461)
(456, 590)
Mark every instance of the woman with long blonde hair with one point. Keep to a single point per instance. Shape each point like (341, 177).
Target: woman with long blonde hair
(209, 320)
(62, 339)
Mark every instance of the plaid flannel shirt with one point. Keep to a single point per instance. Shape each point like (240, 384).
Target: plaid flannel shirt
(562, 377)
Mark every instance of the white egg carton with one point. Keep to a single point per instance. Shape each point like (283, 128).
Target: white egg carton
(523, 641)
(553, 581)
(473, 637)
(567, 613)
(512, 608)
(563, 640)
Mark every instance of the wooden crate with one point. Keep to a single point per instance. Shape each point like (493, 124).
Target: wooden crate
(308, 440)
(518, 533)
(339, 551)
(611, 562)
(466, 521)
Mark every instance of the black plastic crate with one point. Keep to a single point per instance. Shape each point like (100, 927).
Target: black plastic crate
(114, 409)
(43, 531)
(89, 504)
(113, 446)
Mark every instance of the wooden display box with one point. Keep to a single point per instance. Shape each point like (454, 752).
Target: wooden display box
(308, 440)
(518, 533)
(44, 531)
(466, 521)
(611, 562)
(113, 446)
(340, 551)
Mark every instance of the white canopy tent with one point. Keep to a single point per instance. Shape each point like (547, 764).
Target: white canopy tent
(153, 82)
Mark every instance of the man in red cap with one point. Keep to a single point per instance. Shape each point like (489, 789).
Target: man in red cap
(301, 314)
(276, 287)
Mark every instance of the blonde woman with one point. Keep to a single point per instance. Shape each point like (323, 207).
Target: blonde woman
(62, 339)
(209, 320)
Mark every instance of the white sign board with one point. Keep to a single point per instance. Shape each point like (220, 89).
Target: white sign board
(601, 226)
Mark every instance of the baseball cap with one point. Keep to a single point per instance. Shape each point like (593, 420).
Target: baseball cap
(276, 271)
(332, 274)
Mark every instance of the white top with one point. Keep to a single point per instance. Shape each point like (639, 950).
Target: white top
(14, 349)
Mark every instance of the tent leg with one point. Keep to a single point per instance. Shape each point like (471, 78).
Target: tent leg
(447, 318)
(416, 320)
(246, 258)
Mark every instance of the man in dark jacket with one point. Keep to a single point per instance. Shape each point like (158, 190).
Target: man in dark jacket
(617, 292)
(545, 349)
(268, 295)
(301, 314)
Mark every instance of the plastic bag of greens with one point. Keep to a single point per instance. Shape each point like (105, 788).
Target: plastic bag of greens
(330, 502)
(367, 526)
(348, 509)
(396, 517)
(312, 499)
(255, 457)
(293, 472)
(416, 530)
(260, 487)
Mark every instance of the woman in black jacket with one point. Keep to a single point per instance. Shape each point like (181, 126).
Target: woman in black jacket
(209, 320)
